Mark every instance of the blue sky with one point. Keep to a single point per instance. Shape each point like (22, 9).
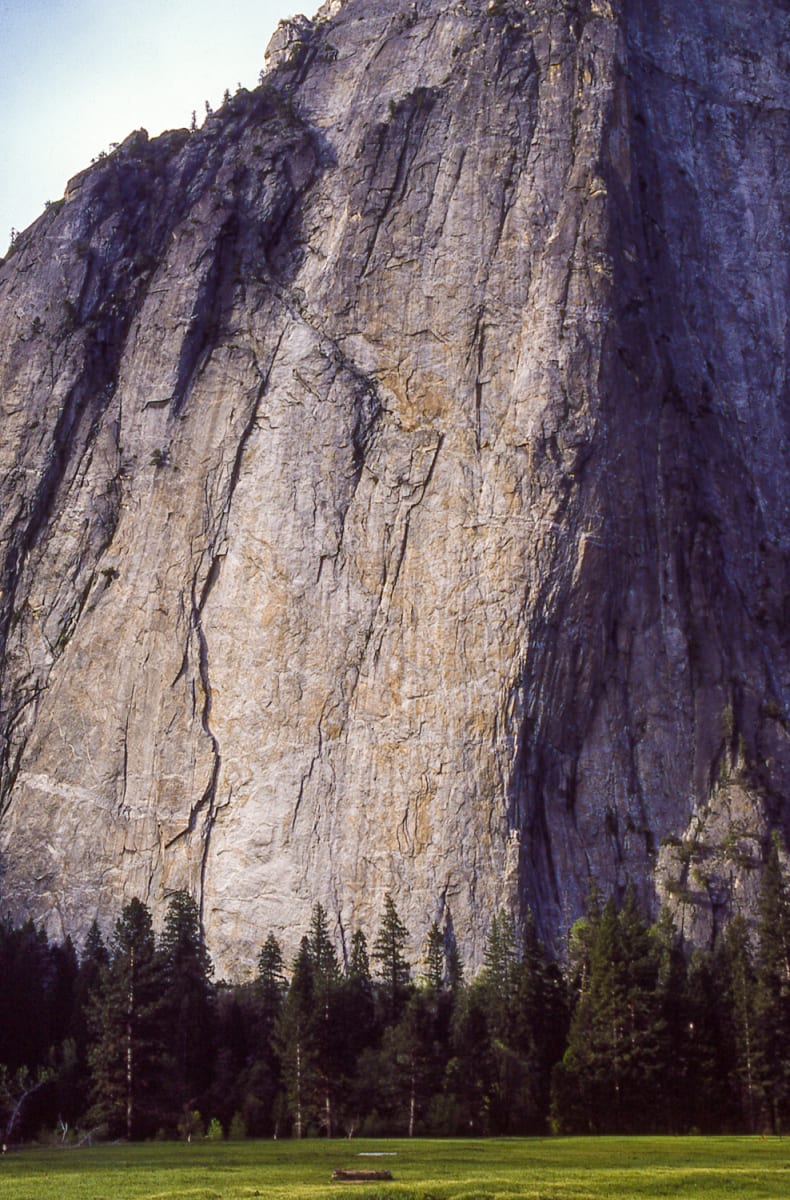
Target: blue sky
(79, 74)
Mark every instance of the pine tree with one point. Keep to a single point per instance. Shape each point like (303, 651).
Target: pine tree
(26, 972)
(234, 1053)
(28, 1025)
(187, 1004)
(673, 1031)
(357, 1031)
(537, 1030)
(609, 1075)
(772, 994)
(712, 1101)
(434, 969)
(327, 1036)
(63, 991)
(359, 1021)
(411, 1062)
(94, 961)
(581, 940)
(95, 954)
(394, 970)
(737, 973)
(323, 955)
(127, 1050)
(499, 973)
(644, 1025)
(454, 967)
(471, 1072)
(497, 984)
(270, 986)
(295, 1038)
(359, 961)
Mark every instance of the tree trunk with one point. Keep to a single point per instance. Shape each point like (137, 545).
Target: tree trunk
(298, 1089)
(20, 1104)
(130, 1050)
(412, 1100)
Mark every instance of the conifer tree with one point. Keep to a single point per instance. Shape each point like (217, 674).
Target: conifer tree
(359, 960)
(394, 970)
(26, 972)
(497, 984)
(644, 1024)
(411, 1062)
(471, 1071)
(95, 956)
(359, 1021)
(454, 967)
(737, 974)
(92, 966)
(499, 973)
(326, 1027)
(323, 955)
(608, 1078)
(234, 1078)
(712, 1099)
(295, 1038)
(127, 1047)
(63, 991)
(357, 1032)
(187, 1004)
(772, 994)
(439, 994)
(483, 1072)
(657, 1041)
(580, 945)
(247, 1069)
(673, 1049)
(270, 986)
(538, 1027)
(434, 970)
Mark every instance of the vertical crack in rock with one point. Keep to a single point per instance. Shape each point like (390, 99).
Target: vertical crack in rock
(307, 776)
(398, 538)
(207, 805)
(207, 802)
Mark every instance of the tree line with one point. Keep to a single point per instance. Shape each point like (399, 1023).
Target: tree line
(632, 1033)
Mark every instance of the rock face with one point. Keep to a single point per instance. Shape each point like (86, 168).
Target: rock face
(394, 482)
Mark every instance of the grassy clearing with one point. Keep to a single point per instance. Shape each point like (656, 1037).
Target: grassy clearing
(499, 1169)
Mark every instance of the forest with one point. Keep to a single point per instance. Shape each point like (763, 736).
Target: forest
(632, 1032)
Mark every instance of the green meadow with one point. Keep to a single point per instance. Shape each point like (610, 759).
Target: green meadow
(496, 1169)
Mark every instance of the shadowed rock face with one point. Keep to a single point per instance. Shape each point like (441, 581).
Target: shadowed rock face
(394, 482)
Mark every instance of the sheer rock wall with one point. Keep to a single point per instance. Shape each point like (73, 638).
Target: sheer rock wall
(394, 482)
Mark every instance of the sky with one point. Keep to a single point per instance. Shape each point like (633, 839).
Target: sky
(78, 75)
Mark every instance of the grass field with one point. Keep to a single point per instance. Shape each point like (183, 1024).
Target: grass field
(499, 1169)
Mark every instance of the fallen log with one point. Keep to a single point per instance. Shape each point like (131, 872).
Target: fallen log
(357, 1176)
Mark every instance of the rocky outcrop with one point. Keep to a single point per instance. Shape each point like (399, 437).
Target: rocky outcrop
(394, 482)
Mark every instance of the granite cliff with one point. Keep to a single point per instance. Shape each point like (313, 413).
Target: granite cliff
(394, 482)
